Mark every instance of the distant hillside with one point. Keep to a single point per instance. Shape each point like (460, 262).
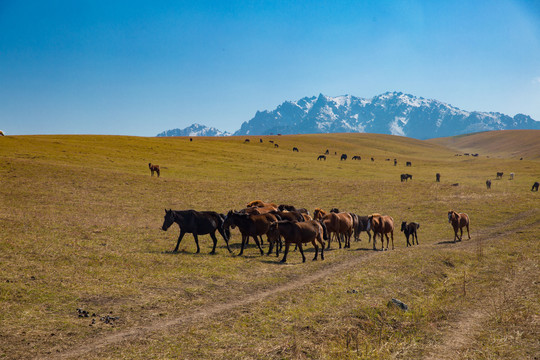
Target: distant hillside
(507, 143)
(194, 130)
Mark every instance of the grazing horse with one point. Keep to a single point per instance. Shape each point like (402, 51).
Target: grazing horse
(488, 184)
(343, 156)
(410, 229)
(499, 175)
(372, 159)
(260, 140)
(438, 177)
(196, 223)
(321, 157)
(246, 141)
(295, 149)
(381, 224)
(535, 186)
(327, 152)
(408, 163)
(395, 162)
(459, 221)
(276, 145)
(512, 176)
(249, 225)
(154, 168)
(299, 233)
(356, 157)
(360, 224)
(404, 177)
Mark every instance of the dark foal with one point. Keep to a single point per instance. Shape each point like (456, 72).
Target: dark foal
(196, 223)
(410, 229)
(254, 225)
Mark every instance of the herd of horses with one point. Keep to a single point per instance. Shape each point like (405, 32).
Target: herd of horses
(286, 225)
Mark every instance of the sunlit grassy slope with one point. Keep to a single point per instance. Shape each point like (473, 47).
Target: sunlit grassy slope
(80, 220)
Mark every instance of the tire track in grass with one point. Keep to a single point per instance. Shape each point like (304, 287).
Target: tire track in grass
(138, 332)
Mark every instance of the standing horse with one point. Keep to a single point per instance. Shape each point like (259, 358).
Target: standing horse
(488, 184)
(535, 186)
(438, 177)
(249, 225)
(295, 149)
(321, 157)
(299, 233)
(154, 168)
(381, 224)
(410, 229)
(459, 221)
(196, 223)
(360, 225)
(343, 156)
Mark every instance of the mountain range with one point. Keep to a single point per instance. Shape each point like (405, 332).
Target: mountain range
(392, 113)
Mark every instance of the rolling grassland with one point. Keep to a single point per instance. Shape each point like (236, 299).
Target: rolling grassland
(80, 228)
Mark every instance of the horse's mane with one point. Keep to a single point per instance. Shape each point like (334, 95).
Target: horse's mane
(254, 203)
(376, 215)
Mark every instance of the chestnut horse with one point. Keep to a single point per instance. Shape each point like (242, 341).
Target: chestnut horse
(154, 168)
(196, 223)
(299, 233)
(381, 224)
(458, 222)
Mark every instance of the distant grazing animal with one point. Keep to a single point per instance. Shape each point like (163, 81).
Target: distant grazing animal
(512, 176)
(455, 184)
(196, 223)
(154, 168)
(299, 233)
(276, 145)
(535, 186)
(458, 221)
(408, 163)
(410, 229)
(1, 133)
(386, 159)
(395, 162)
(499, 175)
(475, 155)
(438, 177)
(381, 224)
(356, 157)
(321, 157)
(488, 184)
(260, 140)
(343, 156)
(190, 139)
(271, 141)
(327, 152)
(249, 226)
(404, 177)
(466, 154)
(295, 149)
(246, 141)
(520, 158)
(372, 159)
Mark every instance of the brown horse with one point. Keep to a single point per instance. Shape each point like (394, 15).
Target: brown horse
(318, 214)
(339, 224)
(261, 204)
(299, 233)
(154, 168)
(459, 221)
(381, 224)
(249, 225)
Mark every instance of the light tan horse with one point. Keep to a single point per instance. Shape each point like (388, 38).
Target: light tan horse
(381, 224)
(458, 221)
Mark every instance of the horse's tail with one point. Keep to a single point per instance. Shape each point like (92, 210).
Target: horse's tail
(325, 231)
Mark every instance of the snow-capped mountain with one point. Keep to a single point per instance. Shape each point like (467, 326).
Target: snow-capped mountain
(390, 113)
(195, 130)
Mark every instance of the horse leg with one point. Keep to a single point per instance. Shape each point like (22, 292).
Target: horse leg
(338, 235)
(270, 246)
(392, 236)
(258, 245)
(225, 237)
(321, 241)
(461, 234)
(260, 237)
(374, 240)
(302, 252)
(469, 235)
(214, 239)
(287, 244)
(407, 237)
(197, 242)
(382, 241)
(369, 234)
(182, 233)
(316, 249)
(243, 243)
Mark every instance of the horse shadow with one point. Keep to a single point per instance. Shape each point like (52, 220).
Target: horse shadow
(446, 242)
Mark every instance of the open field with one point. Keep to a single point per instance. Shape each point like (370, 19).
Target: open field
(80, 227)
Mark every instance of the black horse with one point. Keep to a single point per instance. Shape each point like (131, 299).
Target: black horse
(343, 156)
(360, 223)
(535, 186)
(404, 177)
(196, 223)
(254, 226)
(410, 229)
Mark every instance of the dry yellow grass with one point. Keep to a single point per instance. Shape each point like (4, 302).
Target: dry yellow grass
(80, 221)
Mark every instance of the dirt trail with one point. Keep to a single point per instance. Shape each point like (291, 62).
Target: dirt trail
(455, 335)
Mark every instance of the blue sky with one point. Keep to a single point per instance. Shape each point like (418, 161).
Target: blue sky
(141, 67)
